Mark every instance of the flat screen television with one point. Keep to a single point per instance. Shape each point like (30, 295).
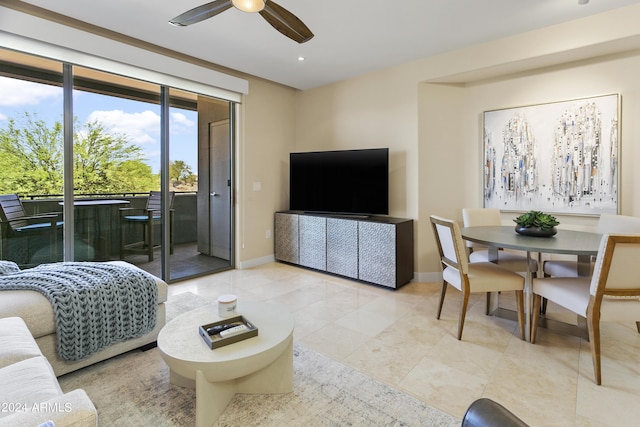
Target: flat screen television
(343, 182)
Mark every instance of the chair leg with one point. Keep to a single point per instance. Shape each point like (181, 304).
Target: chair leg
(171, 220)
(543, 310)
(53, 246)
(463, 313)
(487, 308)
(122, 234)
(593, 323)
(536, 317)
(442, 294)
(53, 241)
(520, 302)
(149, 239)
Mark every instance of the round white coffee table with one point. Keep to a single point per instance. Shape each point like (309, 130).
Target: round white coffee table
(261, 364)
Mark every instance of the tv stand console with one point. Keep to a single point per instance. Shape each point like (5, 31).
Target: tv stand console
(374, 249)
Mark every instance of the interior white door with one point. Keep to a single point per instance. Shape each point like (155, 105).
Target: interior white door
(220, 190)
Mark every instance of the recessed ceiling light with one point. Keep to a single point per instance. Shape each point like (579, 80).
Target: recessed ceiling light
(583, 1)
(300, 58)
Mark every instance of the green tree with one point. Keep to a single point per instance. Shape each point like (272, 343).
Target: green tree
(136, 176)
(31, 160)
(31, 157)
(103, 162)
(181, 173)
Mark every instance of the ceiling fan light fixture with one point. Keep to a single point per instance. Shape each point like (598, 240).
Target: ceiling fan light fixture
(249, 5)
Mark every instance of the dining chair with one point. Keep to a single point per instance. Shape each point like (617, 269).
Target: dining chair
(516, 262)
(470, 277)
(611, 294)
(15, 223)
(607, 223)
(147, 218)
(478, 217)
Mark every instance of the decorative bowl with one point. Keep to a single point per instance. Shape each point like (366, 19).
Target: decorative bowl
(536, 231)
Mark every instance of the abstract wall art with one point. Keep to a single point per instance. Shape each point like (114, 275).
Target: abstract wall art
(560, 157)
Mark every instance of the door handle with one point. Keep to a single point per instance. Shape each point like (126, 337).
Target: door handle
(214, 194)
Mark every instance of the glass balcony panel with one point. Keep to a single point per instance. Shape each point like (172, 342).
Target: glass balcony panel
(31, 144)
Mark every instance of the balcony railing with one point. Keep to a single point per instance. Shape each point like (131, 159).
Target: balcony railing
(100, 229)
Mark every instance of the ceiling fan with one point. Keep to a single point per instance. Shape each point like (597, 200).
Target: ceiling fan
(279, 17)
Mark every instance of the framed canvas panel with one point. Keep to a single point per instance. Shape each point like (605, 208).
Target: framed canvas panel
(559, 157)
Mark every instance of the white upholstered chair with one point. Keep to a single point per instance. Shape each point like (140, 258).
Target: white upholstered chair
(471, 277)
(607, 223)
(478, 217)
(611, 294)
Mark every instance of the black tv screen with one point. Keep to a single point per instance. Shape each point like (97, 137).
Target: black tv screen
(343, 182)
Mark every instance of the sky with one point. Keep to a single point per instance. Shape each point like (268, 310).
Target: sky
(139, 121)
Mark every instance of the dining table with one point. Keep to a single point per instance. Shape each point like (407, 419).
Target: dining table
(94, 232)
(583, 244)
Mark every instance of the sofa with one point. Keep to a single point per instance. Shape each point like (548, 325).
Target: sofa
(37, 312)
(29, 391)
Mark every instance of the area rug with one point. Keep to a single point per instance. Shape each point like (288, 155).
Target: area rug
(133, 389)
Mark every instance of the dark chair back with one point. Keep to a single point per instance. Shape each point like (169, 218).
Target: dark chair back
(13, 212)
(154, 202)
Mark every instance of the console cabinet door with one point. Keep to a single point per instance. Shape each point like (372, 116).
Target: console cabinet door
(342, 247)
(286, 238)
(313, 241)
(377, 253)
(378, 250)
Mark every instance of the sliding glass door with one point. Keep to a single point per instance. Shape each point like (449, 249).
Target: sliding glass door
(116, 206)
(115, 166)
(200, 172)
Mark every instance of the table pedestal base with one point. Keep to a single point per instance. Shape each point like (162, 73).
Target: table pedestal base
(556, 325)
(579, 330)
(213, 397)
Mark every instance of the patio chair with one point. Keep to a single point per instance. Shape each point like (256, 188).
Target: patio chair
(147, 218)
(17, 228)
(471, 277)
(611, 294)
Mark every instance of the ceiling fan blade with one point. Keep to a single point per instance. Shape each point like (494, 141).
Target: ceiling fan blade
(286, 22)
(201, 13)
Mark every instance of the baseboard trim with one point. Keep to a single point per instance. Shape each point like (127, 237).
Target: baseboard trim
(427, 277)
(242, 265)
(417, 277)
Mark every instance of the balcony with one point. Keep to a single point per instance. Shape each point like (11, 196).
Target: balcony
(98, 235)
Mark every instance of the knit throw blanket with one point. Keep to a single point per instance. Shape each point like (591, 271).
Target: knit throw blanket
(95, 304)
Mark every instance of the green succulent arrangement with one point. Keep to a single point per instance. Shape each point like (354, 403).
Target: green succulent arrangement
(538, 219)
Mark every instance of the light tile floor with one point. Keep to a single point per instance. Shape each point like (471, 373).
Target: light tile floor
(393, 336)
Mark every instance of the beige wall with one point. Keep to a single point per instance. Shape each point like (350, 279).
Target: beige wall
(375, 111)
(444, 157)
(265, 139)
(429, 113)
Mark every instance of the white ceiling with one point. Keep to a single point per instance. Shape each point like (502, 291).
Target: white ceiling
(352, 37)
